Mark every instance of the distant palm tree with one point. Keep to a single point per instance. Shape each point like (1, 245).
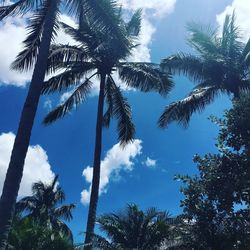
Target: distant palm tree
(42, 29)
(100, 55)
(43, 207)
(222, 65)
(133, 229)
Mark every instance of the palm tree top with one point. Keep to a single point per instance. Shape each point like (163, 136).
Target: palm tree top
(101, 54)
(220, 65)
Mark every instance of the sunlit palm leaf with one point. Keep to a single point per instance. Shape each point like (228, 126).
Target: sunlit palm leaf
(182, 110)
(26, 58)
(77, 97)
(145, 77)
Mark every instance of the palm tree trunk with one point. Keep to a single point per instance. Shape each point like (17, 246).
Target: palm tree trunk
(96, 169)
(19, 151)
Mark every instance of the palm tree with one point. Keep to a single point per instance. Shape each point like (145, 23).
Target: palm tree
(221, 66)
(99, 55)
(133, 229)
(42, 207)
(42, 28)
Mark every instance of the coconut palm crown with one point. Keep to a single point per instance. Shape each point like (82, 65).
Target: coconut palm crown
(220, 66)
(43, 207)
(100, 55)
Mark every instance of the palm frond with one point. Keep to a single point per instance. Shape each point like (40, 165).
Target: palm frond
(245, 56)
(230, 45)
(122, 112)
(78, 96)
(64, 212)
(182, 110)
(62, 56)
(203, 39)
(62, 228)
(20, 7)
(69, 77)
(145, 77)
(27, 57)
(109, 100)
(186, 64)
(134, 25)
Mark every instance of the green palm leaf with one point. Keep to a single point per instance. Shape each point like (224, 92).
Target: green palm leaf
(69, 77)
(145, 77)
(26, 58)
(182, 110)
(77, 97)
(122, 112)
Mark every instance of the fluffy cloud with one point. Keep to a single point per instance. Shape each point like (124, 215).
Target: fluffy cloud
(150, 162)
(242, 10)
(152, 10)
(14, 27)
(36, 166)
(116, 159)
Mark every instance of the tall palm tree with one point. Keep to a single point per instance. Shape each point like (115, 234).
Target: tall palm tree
(133, 229)
(43, 207)
(99, 55)
(221, 65)
(42, 28)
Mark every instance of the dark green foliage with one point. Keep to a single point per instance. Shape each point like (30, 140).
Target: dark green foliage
(133, 229)
(221, 65)
(217, 201)
(42, 207)
(28, 235)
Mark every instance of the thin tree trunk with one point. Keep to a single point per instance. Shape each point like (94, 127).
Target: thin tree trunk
(19, 151)
(96, 169)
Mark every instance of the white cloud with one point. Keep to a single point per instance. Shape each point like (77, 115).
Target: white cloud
(116, 159)
(36, 167)
(158, 8)
(150, 162)
(153, 10)
(242, 10)
(12, 33)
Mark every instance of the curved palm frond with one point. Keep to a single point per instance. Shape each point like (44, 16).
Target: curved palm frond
(64, 212)
(62, 56)
(26, 58)
(19, 7)
(69, 77)
(245, 56)
(78, 96)
(145, 77)
(181, 111)
(133, 27)
(62, 228)
(122, 111)
(186, 64)
(203, 39)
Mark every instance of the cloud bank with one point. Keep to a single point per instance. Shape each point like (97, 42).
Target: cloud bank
(116, 160)
(242, 10)
(36, 167)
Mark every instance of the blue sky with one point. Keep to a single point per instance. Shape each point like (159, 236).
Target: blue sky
(143, 173)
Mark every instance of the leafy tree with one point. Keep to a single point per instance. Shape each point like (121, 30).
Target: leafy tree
(217, 201)
(221, 66)
(101, 55)
(26, 234)
(42, 207)
(42, 28)
(133, 229)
